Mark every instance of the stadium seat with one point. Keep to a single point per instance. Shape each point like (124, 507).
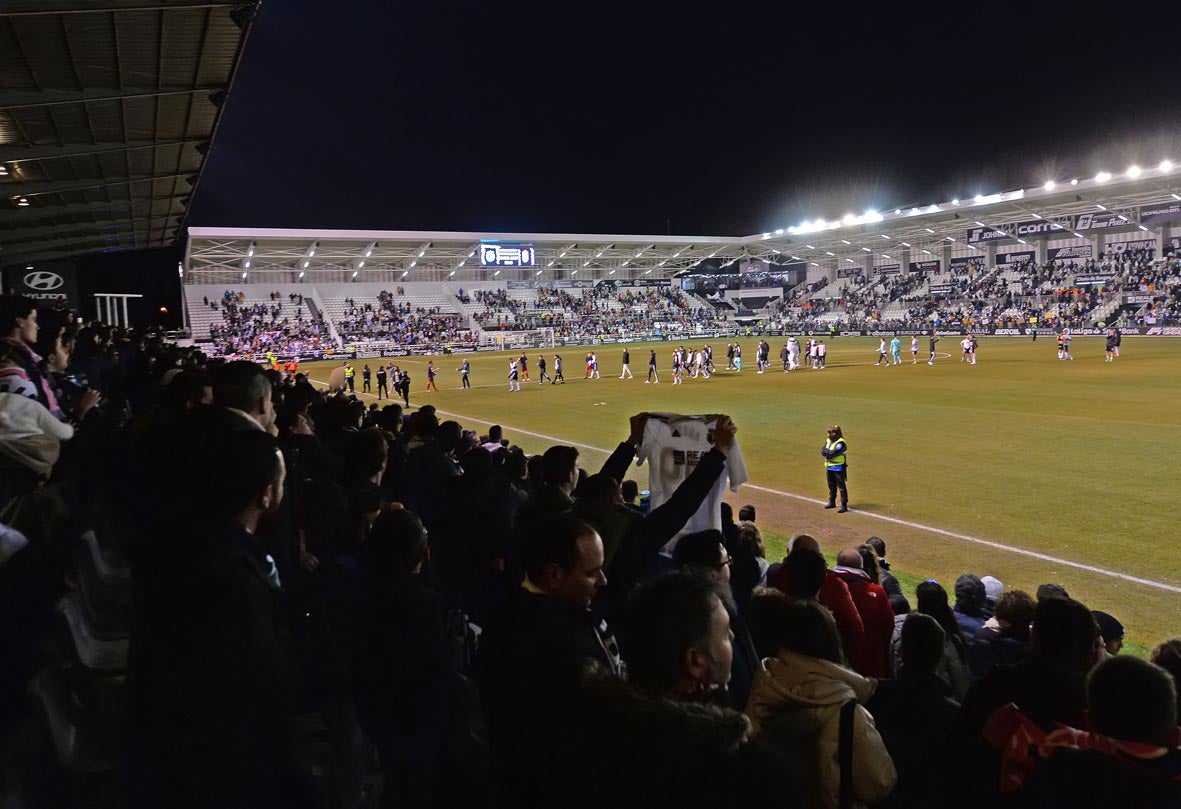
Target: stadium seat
(98, 648)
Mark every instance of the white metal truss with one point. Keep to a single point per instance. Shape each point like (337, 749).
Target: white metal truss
(921, 233)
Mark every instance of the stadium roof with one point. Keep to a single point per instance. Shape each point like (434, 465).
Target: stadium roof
(923, 233)
(107, 110)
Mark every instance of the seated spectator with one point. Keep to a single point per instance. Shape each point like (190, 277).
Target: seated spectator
(1050, 687)
(834, 594)
(630, 491)
(1045, 591)
(873, 605)
(993, 587)
(1130, 758)
(953, 668)
(970, 596)
(746, 514)
(804, 699)
(916, 714)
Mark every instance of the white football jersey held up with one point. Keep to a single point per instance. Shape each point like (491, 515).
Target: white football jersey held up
(672, 446)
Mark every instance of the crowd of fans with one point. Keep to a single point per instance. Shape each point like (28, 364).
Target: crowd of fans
(252, 330)
(483, 626)
(399, 323)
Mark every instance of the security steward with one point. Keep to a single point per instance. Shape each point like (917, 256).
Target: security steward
(836, 468)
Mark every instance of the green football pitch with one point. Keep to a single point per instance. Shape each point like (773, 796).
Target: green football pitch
(1023, 466)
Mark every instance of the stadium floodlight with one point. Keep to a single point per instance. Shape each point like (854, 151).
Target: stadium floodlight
(1134, 171)
(778, 231)
(955, 202)
(1022, 241)
(1036, 215)
(1143, 228)
(926, 252)
(465, 262)
(354, 273)
(624, 264)
(496, 273)
(586, 263)
(1100, 207)
(846, 241)
(647, 272)
(795, 258)
(661, 264)
(810, 247)
(305, 264)
(574, 273)
(611, 273)
(949, 238)
(866, 250)
(369, 249)
(827, 253)
(848, 219)
(1103, 176)
(247, 265)
(884, 236)
(537, 273)
(22, 203)
(897, 211)
(1049, 186)
(915, 212)
(1074, 181)
(851, 261)
(361, 264)
(250, 251)
(472, 253)
(3, 170)
(1174, 196)
(981, 224)
(1166, 166)
(451, 274)
(1080, 236)
(906, 244)
(301, 274)
(929, 230)
(886, 256)
(562, 254)
(405, 273)
(1122, 218)
(413, 263)
(421, 253)
(550, 264)
(243, 276)
(814, 264)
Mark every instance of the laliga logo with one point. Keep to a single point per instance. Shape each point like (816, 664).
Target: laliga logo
(43, 281)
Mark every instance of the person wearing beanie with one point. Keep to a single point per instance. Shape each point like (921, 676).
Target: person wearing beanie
(1111, 630)
(969, 605)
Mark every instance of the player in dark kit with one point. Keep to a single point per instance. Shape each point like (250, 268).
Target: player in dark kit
(365, 377)
(404, 383)
(932, 341)
(541, 374)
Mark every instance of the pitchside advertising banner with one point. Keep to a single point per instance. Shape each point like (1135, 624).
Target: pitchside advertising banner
(961, 263)
(1132, 246)
(1160, 213)
(1014, 258)
(45, 283)
(887, 269)
(924, 266)
(1019, 230)
(1063, 253)
(1102, 220)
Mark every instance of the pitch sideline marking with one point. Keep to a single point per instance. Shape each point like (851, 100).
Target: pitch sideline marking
(884, 517)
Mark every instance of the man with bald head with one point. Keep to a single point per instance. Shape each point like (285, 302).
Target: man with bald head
(877, 617)
(834, 594)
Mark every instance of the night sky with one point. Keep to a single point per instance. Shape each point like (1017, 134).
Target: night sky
(616, 117)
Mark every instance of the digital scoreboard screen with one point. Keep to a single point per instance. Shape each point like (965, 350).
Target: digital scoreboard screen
(501, 254)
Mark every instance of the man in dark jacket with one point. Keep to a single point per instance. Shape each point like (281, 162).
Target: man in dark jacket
(915, 714)
(210, 672)
(1051, 686)
(536, 652)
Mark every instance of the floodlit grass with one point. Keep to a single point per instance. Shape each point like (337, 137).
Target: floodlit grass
(1072, 460)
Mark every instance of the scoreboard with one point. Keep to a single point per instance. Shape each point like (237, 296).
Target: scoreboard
(502, 254)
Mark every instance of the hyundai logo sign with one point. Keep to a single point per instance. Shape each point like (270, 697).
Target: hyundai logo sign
(43, 281)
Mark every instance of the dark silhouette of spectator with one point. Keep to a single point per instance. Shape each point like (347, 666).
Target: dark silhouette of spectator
(970, 611)
(916, 715)
(1167, 655)
(886, 579)
(1111, 630)
(834, 594)
(1050, 687)
(1004, 641)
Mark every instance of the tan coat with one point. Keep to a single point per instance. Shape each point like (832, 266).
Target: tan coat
(795, 706)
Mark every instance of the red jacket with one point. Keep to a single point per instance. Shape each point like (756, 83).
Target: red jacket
(834, 595)
(877, 616)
